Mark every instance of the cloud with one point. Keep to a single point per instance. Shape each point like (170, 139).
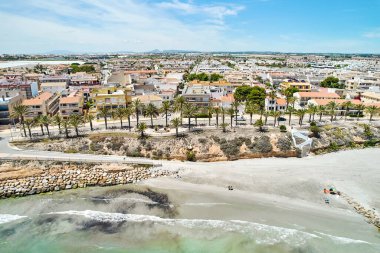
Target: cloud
(375, 34)
(112, 25)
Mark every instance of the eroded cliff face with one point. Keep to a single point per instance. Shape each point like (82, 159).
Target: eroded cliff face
(214, 145)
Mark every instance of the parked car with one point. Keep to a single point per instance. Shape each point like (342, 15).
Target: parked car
(240, 118)
(281, 119)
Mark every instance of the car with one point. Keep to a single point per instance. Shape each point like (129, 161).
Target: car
(240, 118)
(281, 119)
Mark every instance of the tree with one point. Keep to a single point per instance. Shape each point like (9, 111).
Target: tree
(315, 130)
(259, 123)
(321, 111)
(45, 120)
(360, 108)
(189, 111)
(332, 107)
(128, 114)
(217, 111)
(176, 123)
(266, 114)
(347, 105)
(151, 111)
(141, 128)
(76, 120)
(29, 123)
(290, 110)
(223, 112)
(137, 105)
(214, 77)
(209, 111)
(224, 126)
(241, 93)
(103, 112)
(289, 92)
(275, 115)
(250, 108)
(257, 96)
(231, 112)
(236, 105)
(66, 125)
(119, 113)
(40, 122)
(19, 112)
(178, 104)
(88, 117)
(166, 108)
(332, 82)
(301, 114)
(371, 110)
(57, 120)
(312, 110)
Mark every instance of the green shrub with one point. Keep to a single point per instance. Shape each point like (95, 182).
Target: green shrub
(333, 147)
(283, 128)
(313, 123)
(71, 151)
(316, 131)
(190, 156)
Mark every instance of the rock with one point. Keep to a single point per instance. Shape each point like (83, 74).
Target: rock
(56, 188)
(68, 186)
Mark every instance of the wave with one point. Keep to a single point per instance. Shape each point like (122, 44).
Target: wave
(4, 218)
(207, 204)
(343, 240)
(262, 234)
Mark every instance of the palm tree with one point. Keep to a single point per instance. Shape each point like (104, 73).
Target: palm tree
(40, 122)
(292, 101)
(250, 108)
(57, 120)
(128, 114)
(166, 108)
(29, 123)
(275, 115)
(45, 120)
(179, 102)
(141, 128)
(231, 112)
(152, 111)
(66, 125)
(189, 111)
(301, 114)
(347, 105)
(217, 111)
(224, 126)
(119, 113)
(312, 110)
(176, 123)
(371, 110)
(235, 105)
(266, 114)
(19, 112)
(209, 111)
(223, 111)
(75, 120)
(103, 112)
(332, 106)
(137, 105)
(88, 117)
(321, 110)
(360, 108)
(290, 110)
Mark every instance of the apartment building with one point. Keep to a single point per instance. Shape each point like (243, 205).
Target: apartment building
(54, 84)
(44, 104)
(370, 97)
(276, 104)
(198, 95)
(301, 85)
(83, 79)
(72, 104)
(110, 97)
(7, 101)
(304, 97)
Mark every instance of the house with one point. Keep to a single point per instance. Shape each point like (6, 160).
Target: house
(276, 104)
(304, 97)
(72, 104)
(198, 95)
(44, 104)
(226, 101)
(82, 78)
(150, 99)
(301, 85)
(370, 97)
(167, 95)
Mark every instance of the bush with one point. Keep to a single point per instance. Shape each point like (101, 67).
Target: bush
(202, 140)
(261, 145)
(283, 128)
(333, 147)
(284, 144)
(316, 131)
(313, 123)
(71, 151)
(190, 156)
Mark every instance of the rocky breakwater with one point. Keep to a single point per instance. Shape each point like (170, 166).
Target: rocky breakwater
(370, 215)
(24, 178)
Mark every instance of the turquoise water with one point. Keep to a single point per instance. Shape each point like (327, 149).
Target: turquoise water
(114, 220)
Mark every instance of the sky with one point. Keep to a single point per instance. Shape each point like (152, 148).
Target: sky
(312, 26)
